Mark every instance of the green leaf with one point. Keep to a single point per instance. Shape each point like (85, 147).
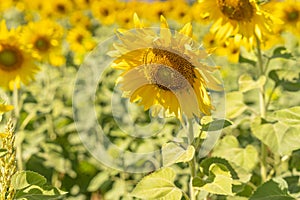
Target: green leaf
(216, 125)
(207, 162)
(158, 185)
(247, 83)
(295, 160)
(174, 153)
(228, 148)
(271, 190)
(274, 76)
(279, 137)
(289, 116)
(246, 60)
(281, 52)
(222, 181)
(234, 104)
(24, 179)
(40, 193)
(293, 184)
(3, 152)
(289, 80)
(32, 186)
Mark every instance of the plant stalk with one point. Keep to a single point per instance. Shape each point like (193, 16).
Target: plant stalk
(16, 97)
(192, 163)
(262, 105)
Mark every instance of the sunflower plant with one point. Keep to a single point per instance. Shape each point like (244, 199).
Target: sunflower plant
(209, 88)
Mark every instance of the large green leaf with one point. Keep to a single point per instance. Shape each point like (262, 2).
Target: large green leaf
(229, 149)
(247, 83)
(234, 104)
(289, 116)
(279, 137)
(32, 186)
(24, 179)
(271, 190)
(158, 185)
(222, 181)
(174, 153)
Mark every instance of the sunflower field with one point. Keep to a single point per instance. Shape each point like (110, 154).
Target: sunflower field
(148, 99)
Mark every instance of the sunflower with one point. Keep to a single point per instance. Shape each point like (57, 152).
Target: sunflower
(158, 8)
(8, 4)
(16, 65)
(180, 11)
(289, 12)
(80, 41)
(4, 108)
(44, 38)
(58, 8)
(229, 47)
(105, 11)
(79, 17)
(232, 17)
(163, 71)
(124, 18)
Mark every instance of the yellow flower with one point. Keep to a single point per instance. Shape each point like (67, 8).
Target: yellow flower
(180, 11)
(156, 9)
(80, 41)
(58, 8)
(232, 17)
(229, 47)
(8, 4)
(164, 71)
(16, 65)
(198, 15)
(289, 12)
(82, 4)
(105, 11)
(79, 18)
(124, 18)
(44, 38)
(5, 108)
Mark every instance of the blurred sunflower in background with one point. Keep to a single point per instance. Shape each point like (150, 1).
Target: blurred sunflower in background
(164, 71)
(104, 11)
(16, 64)
(58, 8)
(4, 108)
(44, 38)
(231, 17)
(79, 17)
(80, 42)
(289, 12)
(230, 47)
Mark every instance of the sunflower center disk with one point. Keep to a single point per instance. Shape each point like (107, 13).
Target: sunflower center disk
(239, 10)
(10, 59)
(42, 44)
(293, 16)
(168, 70)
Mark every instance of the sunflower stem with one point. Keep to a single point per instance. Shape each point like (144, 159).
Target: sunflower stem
(192, 163)
(16, 102)
(262, 105)
(190, 131)
(17, 115)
